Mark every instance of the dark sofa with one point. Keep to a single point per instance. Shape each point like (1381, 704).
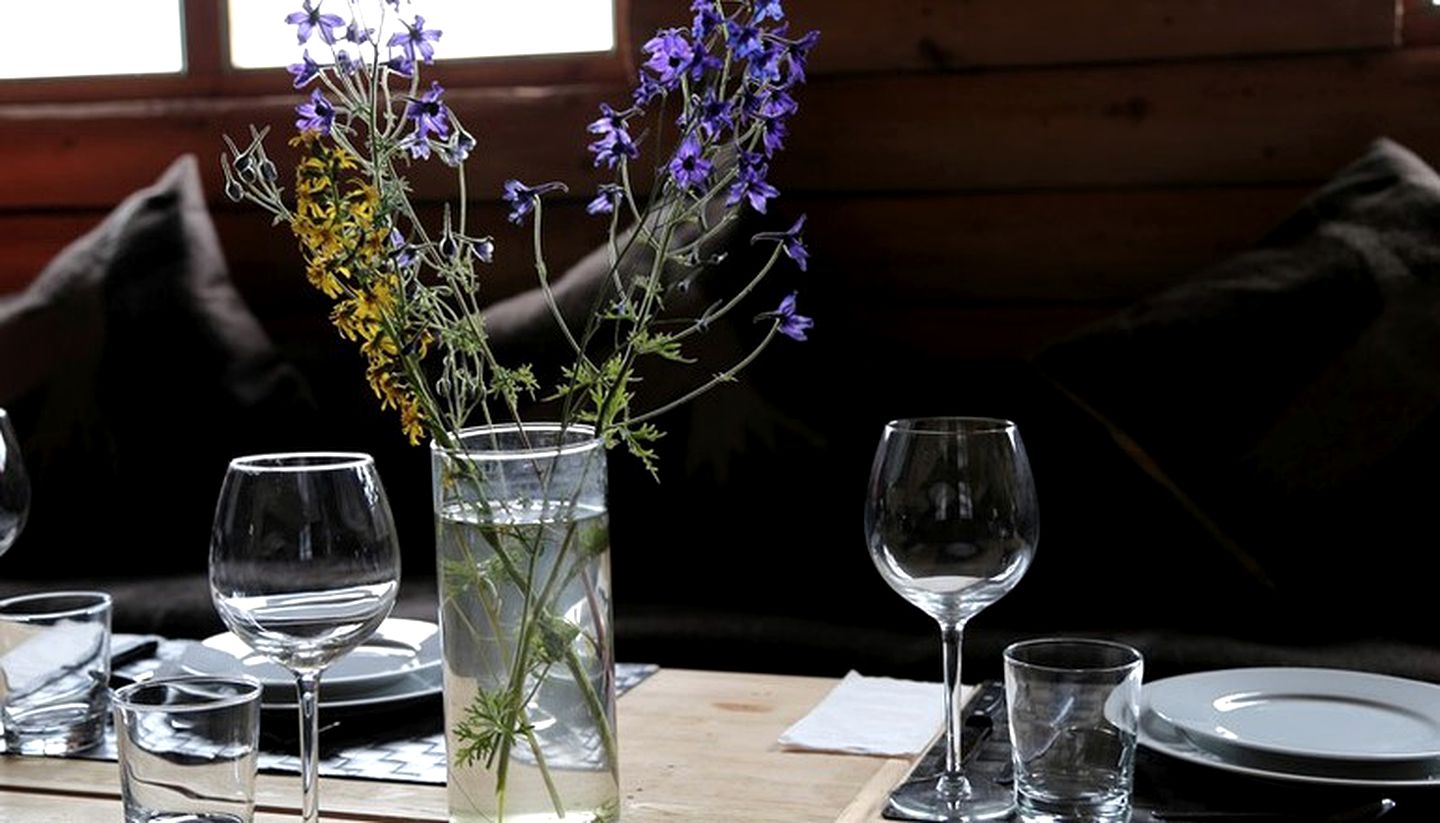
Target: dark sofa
(1233, 472)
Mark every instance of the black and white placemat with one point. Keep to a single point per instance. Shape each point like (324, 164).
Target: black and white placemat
(414, 753)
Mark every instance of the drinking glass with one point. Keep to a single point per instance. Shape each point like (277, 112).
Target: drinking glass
(1074, 707)
(187, 746)
(14, 486)
(304, 565)
(951, 521)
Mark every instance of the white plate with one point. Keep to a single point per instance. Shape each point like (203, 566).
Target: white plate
(411, 686)
(1158, 735)
(398, 648)
(1304, 713)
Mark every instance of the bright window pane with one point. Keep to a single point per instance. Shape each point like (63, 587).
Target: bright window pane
(90, 37)
(260, 38)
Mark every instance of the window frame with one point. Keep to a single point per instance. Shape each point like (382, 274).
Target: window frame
(208, 73)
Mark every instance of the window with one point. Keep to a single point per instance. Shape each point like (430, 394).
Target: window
(177, 48)
(152, 40)
(472, 28)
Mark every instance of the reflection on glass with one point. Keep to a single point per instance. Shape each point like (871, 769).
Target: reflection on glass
(14, 485)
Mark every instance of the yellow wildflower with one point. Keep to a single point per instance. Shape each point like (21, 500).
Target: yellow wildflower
(322, 277)
(412, 420)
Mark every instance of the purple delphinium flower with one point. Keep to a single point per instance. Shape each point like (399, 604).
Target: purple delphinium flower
(304, 71)
(769, 9)
(416, 38)
(773, 112)
(448, 246)
(309, 18)
(796, 53)
(344, 64)
(702, 60)
(357, 34)
(689, 167)
(795, 246)
(457, 149)
(744, 40)
(316, 114)
(614, 146)
(763, 66)
(750, 184)
(401, 252)
(610, 120)
(790, 241)
(707, 19)
(522, 198)
(431, 117)
(670, 56)
(648, 89)
(401, 64)
(607, 195)
(483, 249)
(715, 114)
(615, 142)
(792, 325)
(774, 135)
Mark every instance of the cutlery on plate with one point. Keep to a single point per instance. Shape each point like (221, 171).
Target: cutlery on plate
(1363, 813)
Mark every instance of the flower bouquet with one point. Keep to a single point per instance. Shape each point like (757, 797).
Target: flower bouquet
(521, 526)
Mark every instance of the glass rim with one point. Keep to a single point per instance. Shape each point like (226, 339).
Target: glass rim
(584, 432)
(251, 686)
(280, 462)
(941, 424)
(98, 601)
(1134, 655)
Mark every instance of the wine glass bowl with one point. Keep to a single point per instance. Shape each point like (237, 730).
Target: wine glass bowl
(951, 515)
(14, 486)
(951, 521)
(304, 566)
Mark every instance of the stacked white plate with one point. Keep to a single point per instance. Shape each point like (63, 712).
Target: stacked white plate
(1308, 725)
(401, 661)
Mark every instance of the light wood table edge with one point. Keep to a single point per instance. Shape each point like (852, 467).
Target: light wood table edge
(745, 711)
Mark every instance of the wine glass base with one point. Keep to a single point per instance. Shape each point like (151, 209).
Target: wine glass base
(930, 798)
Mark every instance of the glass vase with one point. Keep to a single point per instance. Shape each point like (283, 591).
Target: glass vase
(523, 558)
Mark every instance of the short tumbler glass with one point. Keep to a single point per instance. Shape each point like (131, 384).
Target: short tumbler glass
(54, 671)
(188, 748)
(1074, 707)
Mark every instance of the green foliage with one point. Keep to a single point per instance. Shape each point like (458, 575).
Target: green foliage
(492, 723)
(552, 636)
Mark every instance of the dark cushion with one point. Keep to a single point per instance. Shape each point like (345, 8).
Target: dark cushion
(134, 371)
(1288, 399)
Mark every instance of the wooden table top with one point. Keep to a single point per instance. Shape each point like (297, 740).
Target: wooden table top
(694, 745)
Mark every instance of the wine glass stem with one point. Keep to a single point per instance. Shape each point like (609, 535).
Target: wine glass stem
(950, 636)
(308, 686)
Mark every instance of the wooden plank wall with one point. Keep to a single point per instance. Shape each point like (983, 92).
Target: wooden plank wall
(981, 175)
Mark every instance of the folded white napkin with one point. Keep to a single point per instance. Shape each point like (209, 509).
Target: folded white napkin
(870, 715)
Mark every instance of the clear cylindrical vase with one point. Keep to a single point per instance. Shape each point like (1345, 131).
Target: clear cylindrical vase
(523, 557)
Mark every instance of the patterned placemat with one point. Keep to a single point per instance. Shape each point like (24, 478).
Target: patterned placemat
(413, 751)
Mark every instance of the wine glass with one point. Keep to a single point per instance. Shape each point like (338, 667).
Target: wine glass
(14, 486)
(304, 566)
(951, 521)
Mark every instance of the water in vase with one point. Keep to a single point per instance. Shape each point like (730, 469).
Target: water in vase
(529, 681)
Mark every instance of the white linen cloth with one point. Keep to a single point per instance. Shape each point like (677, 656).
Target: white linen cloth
(870, 715)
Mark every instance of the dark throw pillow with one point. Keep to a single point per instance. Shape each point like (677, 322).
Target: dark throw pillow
(1290, 399)
(134, 371)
